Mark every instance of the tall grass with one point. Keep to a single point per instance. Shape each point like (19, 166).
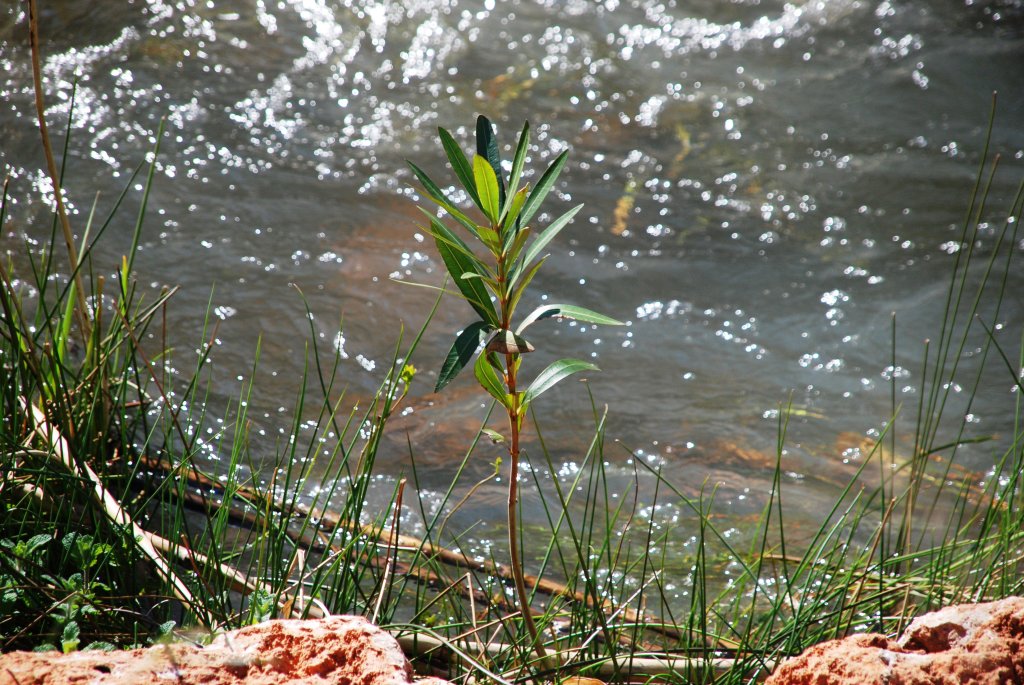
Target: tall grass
(112, 534)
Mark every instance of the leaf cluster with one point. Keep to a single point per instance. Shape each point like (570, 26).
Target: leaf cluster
(514, 254)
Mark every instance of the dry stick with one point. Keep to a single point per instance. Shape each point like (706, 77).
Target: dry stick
(445, 556)
(643, 664)
(62, 452)
(69, 240)
(151, 544)
(424, 645)
(310, 539)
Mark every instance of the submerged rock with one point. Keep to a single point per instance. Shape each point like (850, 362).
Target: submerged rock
(981, 644)
(339, 650)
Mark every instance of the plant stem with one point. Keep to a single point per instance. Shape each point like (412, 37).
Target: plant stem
(511, 368)
(513, 501)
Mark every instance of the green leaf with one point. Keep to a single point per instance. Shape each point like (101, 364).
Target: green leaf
(545, 237)
(34, 543)
(506, 342)
(489, 380)
(487, 147)
(438, 196)
(472, 289)
(515, 246)
(547, 378)
(493, 284)
(489, 237)
(518, 293)
(462, 351)
(566, 311)
(487, 186)
(100, 646)
(460, 165)
(495, 437)
(70, 637)
(441, 232)
(512, 210)
(543, 187)
(519, 159)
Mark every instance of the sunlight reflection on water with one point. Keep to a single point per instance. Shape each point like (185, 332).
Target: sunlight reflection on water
(765, 184)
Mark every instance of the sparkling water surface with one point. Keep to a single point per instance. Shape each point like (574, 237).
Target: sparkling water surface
(767, 186)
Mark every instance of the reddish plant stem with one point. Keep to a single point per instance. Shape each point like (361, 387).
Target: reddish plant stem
(513, 502)
(518, 578)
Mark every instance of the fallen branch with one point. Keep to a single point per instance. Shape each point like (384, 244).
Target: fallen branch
(61, 452)
(424, 645)
(150, 544)
(446, 556)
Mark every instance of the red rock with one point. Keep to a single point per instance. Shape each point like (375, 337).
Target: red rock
(340, 650)
(975, 644)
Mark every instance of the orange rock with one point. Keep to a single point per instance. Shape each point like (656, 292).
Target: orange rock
(339, 650)
(980, 644)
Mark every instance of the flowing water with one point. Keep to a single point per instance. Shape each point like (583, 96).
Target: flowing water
(766, 184)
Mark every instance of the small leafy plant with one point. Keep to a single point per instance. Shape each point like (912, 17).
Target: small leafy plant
(494, 288)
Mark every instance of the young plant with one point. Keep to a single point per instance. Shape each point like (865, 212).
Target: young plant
(494, 288)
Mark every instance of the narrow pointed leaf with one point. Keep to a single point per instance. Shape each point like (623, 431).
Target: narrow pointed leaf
(519, 159)
(460, 165)
(487, 147)
(437, 226)
(521, 288)
(487, 187)
(489, 380)
(492, 284)
(438, 196)
(489, 237)
(567, 311)
(472, 289)
(515, 245)
(441, 232)
(462, 351)
(547, 378)
(512, 210)
(545, 237)
(543, 187)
